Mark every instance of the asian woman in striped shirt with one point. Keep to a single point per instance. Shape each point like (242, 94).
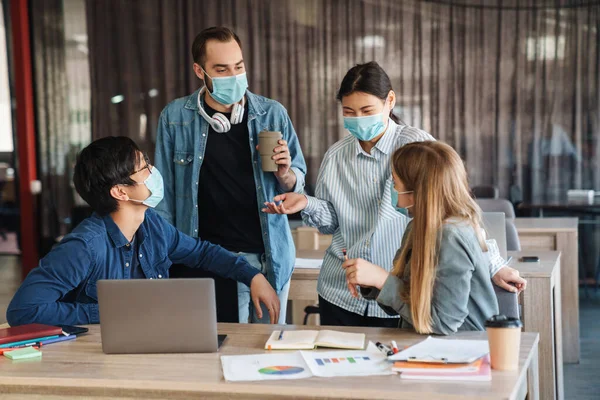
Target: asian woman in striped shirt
(352, 199)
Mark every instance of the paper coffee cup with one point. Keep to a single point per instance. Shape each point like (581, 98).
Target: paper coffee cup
(504, 336)
(267, 141)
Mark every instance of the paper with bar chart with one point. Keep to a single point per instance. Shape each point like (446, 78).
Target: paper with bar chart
(305, 364)
(347, 363)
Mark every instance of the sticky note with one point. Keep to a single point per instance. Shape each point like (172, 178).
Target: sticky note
(22, 354)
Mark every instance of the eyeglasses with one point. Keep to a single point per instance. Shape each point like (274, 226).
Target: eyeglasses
(148, 166)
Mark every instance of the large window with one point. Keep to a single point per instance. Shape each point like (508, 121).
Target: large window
(6, 139)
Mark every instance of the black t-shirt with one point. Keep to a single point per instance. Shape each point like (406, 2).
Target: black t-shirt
(227, 203)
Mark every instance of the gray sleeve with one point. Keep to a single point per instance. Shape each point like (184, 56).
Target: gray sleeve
(452, 285)
(389, 298)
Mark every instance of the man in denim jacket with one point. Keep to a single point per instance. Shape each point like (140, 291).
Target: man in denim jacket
(214, 184)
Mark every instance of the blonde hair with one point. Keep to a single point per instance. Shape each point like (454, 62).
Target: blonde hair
(437, 176)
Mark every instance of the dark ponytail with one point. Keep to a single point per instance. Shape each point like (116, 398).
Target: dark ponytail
(367, 78)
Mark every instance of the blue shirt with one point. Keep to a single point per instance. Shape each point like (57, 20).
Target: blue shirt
(180, 145)
(353, 203)
(135, 269)
(62, 289)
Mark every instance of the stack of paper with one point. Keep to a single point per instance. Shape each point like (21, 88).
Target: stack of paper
(447, 351)
(479, 370)
(445, 359)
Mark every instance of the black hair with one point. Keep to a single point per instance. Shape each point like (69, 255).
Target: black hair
(220, 33)
(367, 78)
(101, 165)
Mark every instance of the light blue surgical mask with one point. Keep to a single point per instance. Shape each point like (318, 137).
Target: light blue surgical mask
(154, 183)
(228, 89)
(394, 195)
(365, 128)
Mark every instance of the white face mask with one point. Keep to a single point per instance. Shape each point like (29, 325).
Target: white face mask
(154, 183)
(394, 195)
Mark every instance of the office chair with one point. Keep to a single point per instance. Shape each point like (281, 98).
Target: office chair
(485, 192)
(497, 205)
(512, 236)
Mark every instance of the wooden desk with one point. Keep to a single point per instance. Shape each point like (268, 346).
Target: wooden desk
(303, 287)
(559, 234)
(541, 312)
(80, 369)
(304, 280)
(541, 304)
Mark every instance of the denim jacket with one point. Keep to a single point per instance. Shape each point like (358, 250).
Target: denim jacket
(180, 146)
(62, 289)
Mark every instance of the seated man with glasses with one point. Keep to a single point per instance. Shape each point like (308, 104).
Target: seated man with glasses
(124, 239)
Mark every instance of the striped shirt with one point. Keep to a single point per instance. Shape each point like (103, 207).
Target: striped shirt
(353, 203)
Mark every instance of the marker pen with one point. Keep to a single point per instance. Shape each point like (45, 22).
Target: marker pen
(383, 348)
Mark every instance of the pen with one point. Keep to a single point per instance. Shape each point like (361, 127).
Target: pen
(2, 351)
(28, 342)
(384, 349)
(281, 334)
(395, 347)
(58, 339)
(345, 253)
(22, 345)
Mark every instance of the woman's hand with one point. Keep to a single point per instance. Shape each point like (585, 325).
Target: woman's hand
(289, 203)
(363, 273)
(509, 279)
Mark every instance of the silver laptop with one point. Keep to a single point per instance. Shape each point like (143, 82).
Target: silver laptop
(158, 316)
(494, 224)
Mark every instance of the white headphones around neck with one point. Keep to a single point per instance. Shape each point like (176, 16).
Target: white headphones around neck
(218, 121)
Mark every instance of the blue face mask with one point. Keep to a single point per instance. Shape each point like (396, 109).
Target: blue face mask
(228, 89)
(365, 128)
(155, 185)
(394, 195)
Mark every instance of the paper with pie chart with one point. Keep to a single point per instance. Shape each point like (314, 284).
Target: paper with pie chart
(262, 367)
(305, 364)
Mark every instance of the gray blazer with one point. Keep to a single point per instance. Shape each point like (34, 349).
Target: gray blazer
(463, 296)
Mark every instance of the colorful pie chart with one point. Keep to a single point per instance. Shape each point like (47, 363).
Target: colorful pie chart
(280, 370)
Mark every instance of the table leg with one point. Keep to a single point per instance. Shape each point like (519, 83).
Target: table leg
(538, 316)
(566, 243)
(533, 377)
(557, 297)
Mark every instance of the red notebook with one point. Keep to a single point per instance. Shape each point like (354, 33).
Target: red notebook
(26, 332)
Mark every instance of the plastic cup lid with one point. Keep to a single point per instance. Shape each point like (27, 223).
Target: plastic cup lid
(502, 321)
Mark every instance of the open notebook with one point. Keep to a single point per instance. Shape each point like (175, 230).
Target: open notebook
(308, 340)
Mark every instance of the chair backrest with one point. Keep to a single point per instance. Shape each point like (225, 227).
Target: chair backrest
(512, 236)
(495, 227)
(508, 302)
(498, 228)
(497, 205)
(485, 192)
